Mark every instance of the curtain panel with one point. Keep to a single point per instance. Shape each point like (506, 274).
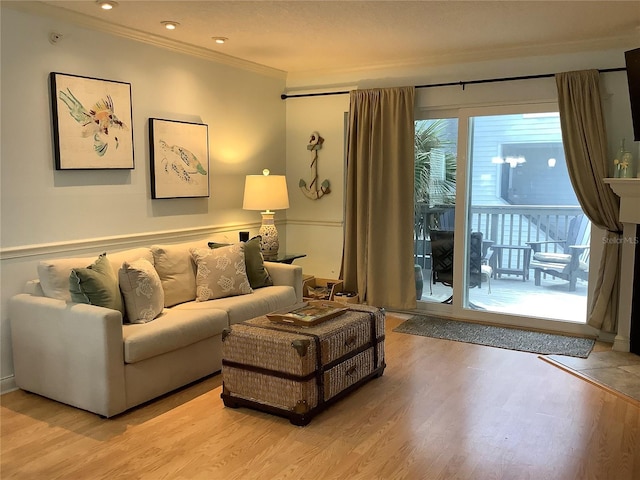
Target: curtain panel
(585, 144)
(377, 259)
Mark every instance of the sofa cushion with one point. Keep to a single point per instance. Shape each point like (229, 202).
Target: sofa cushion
(142, 291)
(172, 330)
(97, 284)
(176, 270)
(54, 274)
(221, 272)
(241, 308)
(254, 261)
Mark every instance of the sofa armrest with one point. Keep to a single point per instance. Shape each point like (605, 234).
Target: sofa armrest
(70, 352)
(286, 274)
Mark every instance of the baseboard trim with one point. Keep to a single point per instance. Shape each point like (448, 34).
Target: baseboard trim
(8, 384)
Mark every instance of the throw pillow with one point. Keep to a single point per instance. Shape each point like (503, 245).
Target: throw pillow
(97, 285)
(176, 271)
(220, 272)
(54, 275)
(142, 291)
(254, 261)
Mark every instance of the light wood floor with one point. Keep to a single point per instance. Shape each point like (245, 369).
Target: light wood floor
(442, 410)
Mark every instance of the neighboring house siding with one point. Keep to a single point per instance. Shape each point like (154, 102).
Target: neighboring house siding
(536, 138)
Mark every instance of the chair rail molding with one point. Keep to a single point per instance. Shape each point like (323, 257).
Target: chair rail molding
(121, 241)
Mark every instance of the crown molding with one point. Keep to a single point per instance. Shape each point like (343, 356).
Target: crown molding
(42, 9)
(474, 56)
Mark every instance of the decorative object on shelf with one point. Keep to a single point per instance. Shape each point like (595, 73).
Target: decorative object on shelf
(266, 192)
(623, 163)
(179, 159)
(312, 191)
(92, 123)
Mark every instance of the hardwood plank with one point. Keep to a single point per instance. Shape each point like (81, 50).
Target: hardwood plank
(441, 410)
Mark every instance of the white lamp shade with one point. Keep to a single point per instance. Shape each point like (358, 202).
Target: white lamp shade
(265, 192)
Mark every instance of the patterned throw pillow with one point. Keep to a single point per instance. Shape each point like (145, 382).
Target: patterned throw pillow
(220, 272)
(257, 274)
(96, 284)
(142, 291)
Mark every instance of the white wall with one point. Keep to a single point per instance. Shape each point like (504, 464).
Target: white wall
(315, 227)
(45, 212)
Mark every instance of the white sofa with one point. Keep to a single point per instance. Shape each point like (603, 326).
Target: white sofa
(88, 357)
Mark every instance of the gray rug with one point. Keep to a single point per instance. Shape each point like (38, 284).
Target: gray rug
(500, 337)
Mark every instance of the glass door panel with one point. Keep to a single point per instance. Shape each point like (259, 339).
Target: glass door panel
(434, 193)
(532, 254)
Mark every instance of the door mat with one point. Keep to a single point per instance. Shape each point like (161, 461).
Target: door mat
(499, 337)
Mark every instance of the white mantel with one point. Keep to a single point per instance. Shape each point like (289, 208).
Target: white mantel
(628, 189)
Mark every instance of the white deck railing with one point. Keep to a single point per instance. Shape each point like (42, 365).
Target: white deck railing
(507, 225)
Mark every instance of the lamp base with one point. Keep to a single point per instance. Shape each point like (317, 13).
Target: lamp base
(269, 243)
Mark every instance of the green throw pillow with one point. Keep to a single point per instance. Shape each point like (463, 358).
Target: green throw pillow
(257, 274)
(97, 285)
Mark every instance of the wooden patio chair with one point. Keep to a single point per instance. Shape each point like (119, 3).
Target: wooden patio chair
(569, 264)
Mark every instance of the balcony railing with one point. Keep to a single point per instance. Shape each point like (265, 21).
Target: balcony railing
(502, 224)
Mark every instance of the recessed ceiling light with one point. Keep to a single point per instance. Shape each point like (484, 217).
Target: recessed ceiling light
(107, 4)
(170, 24)
(220, 40)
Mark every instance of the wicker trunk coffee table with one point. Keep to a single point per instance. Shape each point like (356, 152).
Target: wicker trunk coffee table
(296, 372)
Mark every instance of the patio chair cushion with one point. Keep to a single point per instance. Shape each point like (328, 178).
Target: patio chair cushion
(549, 257)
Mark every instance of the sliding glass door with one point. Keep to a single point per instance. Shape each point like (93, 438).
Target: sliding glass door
(520, 238)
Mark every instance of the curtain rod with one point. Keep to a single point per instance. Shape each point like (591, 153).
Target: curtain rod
(284, 96)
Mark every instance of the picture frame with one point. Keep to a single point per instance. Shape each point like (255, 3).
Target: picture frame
(92, 123)
(179, 159)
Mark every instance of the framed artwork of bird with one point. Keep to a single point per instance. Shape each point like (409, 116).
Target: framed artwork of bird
(92, 123)
(179, 158)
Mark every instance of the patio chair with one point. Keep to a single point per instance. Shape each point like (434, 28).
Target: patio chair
(442, 260)
(572, 262)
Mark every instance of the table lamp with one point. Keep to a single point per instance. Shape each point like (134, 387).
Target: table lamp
(266, 192)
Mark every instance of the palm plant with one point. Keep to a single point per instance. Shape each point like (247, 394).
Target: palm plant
(430, 137)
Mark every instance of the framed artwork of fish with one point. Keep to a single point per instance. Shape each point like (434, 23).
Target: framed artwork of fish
(179, 159)
(92, 123)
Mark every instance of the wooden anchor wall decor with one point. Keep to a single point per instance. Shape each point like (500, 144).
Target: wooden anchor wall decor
(313, 192)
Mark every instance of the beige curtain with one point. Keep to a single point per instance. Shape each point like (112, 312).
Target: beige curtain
(585, 145)
(377, 259)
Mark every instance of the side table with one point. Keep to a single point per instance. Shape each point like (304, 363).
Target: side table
(496, 260)
(285, 258)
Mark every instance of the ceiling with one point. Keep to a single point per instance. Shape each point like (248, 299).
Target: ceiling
(340, 36)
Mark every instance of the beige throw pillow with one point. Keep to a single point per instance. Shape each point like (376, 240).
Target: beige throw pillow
(177, 273)
(220, 272)
(142, 291)
(54, 275)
